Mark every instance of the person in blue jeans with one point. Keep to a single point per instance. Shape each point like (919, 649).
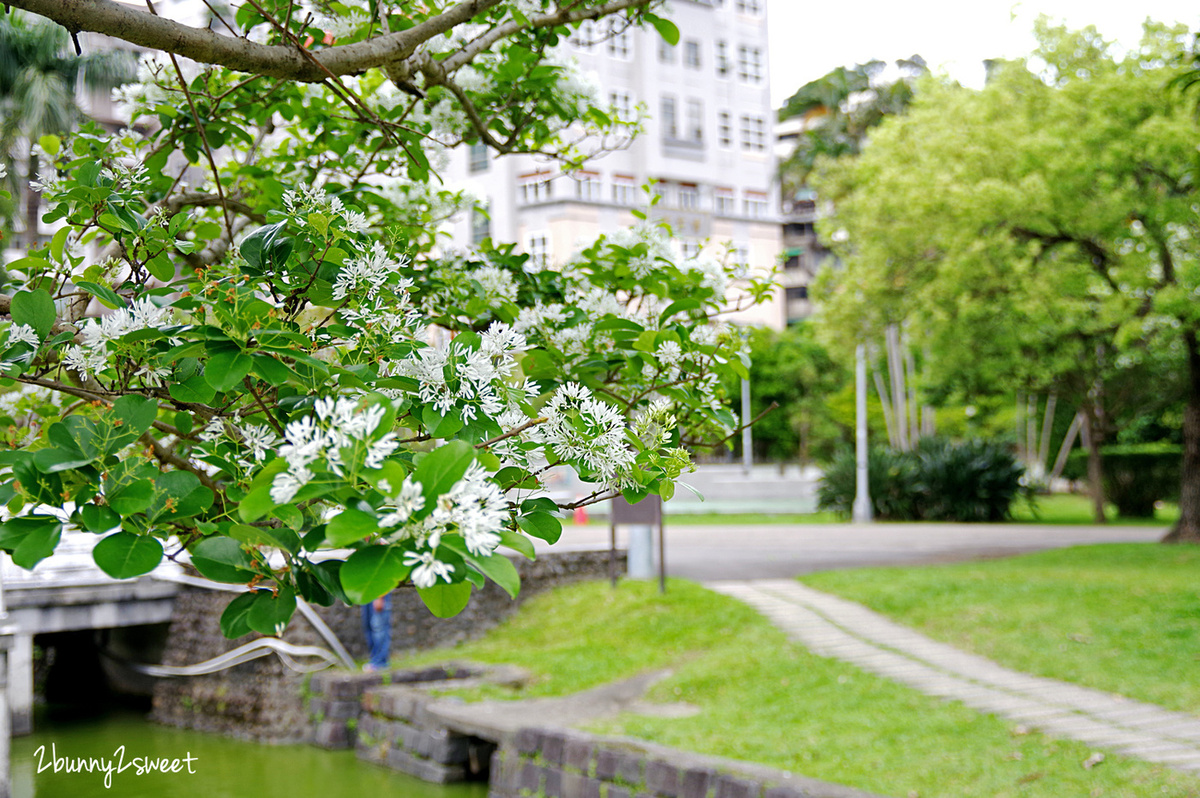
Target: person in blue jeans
(377, 626)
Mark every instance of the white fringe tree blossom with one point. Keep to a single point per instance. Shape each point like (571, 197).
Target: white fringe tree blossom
(264, 361)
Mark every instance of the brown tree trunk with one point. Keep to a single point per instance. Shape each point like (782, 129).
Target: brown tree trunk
(1095, 463)
(1187, 529)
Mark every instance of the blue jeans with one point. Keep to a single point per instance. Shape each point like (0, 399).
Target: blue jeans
(377, 627)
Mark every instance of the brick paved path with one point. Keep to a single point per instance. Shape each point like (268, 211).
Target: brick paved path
(834, 627)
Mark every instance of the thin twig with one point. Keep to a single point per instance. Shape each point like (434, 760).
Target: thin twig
(533, 422)
(753, 421)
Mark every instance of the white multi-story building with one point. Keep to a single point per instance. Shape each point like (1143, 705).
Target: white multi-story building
(706, 140)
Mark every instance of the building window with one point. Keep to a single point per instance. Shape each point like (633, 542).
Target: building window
(670, 124)
(536, 187)
(624, 189)
(750, 64)
(662, 190)
(794, 262)
(722, 59)
(796, 292)
(584, 38)
(749, 6)
(724, 201)
(724, 129)
(691, 54)
(754, 136)
(587, 186)
(666, 51)
(618, 38)
(477, 157)
(695, 121)
(621, 103)
(539, 251)
(689, 196)
(754, 204)
(481, 225)
(690, 249)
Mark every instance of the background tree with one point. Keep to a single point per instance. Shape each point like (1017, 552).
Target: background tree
(1042, 228)
(40, 75)
(840, 108)
(791, 369)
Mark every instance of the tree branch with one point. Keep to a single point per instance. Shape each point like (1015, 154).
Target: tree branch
(283, 60)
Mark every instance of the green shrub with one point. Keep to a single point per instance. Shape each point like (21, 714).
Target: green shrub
(1136, 476)
(940, 480)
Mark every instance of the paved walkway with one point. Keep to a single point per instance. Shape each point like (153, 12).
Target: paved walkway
(837, 628)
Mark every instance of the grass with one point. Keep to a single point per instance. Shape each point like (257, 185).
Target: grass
(1120, 617)
(765, 699)
(1069, 508)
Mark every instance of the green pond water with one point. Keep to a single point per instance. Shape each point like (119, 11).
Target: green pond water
(221, 767)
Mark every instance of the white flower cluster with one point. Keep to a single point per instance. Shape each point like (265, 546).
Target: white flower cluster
(473, 381)
(474, 507)
(23, 334)
(654, 237)
(367, 274)
(338, 424)
(344, 26)
(497, 284)
(583, 429)
(653, 425)
(258, 439)
(91, 356)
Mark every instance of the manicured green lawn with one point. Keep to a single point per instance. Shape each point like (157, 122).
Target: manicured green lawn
(1119, 617)
(1065, 508)
(765, 699)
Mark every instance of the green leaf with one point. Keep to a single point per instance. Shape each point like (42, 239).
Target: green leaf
(350, 526)
(132, 498)
(233, 620)
(272, 370)
(223, 560)
(269, 614)
(517, 542)
(50, 144)
(542, 525)
(440, 426)
(678, 306)
(124, 555)
(179, 494)
(98, 518)
(37, 545)
(137, 413)
(276, 538)
(195, 389)
(446, 601)
(227, 368)
(372, 571)
(666, 28)
(500, 570)
(108, 297)
(440, 469)
(59, 243)
(49, 461)
(34, 308)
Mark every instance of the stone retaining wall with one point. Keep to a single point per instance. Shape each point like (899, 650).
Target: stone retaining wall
(263, 700)
(556, 763)
(403, 727)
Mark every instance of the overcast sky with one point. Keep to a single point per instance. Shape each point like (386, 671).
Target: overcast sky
(811, 37)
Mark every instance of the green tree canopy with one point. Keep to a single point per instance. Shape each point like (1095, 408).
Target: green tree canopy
(1042, 229)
